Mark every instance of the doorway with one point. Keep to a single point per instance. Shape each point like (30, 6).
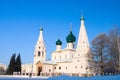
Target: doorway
(39, 70)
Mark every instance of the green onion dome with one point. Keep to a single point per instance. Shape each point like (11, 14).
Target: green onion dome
(70, 38)
(58, 42)
(82, 18)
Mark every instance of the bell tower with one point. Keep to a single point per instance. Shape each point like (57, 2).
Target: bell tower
(40, 50)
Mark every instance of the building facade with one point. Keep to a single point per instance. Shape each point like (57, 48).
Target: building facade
(2, 69)
(69, 60)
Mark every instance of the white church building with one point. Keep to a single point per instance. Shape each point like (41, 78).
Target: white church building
(70, 60)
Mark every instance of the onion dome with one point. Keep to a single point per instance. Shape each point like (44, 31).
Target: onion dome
(58, 42)
(70, 38)
(82, 18)
(41, 29)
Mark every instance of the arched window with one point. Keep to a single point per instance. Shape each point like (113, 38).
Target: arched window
(81, 67)
(54, 67)
(55, 57)
(66, 67)
(59, 68)
(42, 54)
(76, 67)
(38, 53)
(65, 56)
(60, 57)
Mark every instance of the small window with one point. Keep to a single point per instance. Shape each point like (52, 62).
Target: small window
(39, 47)
(78, 60)
(86, 68)
(81, 67)
(42, 54)
(49, 70)
(59, 68)
(66, 56)
(75, 67)
(54, 67)
(38, 53)
(66, 67)
(55, 57)
(60, 57)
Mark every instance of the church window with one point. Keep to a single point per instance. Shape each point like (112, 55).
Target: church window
(39, 47)
(81, 66)
(60, 57)
(76, 67)
(54, 67)
(65, 56)
(66, 67)
(55, 57)
(86, 68)
(38, 53)
(59, 68)
(49, 70)
(42, 54)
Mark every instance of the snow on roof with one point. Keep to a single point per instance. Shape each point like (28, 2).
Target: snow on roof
(54, 62)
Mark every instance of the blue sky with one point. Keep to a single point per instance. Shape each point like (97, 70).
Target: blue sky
(20, 21)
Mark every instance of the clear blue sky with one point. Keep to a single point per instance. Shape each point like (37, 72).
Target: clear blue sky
(20, 21)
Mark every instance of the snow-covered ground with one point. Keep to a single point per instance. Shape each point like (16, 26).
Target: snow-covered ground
(63, 77)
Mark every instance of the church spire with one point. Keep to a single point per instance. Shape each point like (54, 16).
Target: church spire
(40, 39)
(82, 38)
(83, 48)
(83, 43)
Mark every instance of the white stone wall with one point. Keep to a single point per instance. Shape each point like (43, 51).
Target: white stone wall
(2, 68)
(63, 55)
(27, 68)
(48, 68)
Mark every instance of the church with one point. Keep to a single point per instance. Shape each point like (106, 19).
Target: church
(70, 60)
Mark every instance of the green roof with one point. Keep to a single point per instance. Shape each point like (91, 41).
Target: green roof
(82, 18)
(41, 29)
(58, 42)
(70, 38)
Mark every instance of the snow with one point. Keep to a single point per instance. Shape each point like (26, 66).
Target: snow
(64, 77)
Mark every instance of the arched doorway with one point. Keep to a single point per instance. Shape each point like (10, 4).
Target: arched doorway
(39, 70)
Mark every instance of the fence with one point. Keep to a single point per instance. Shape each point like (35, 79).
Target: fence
(58, 74)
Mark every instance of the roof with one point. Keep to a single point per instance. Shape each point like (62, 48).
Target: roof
(58, 42)
(51, 62)
(70, 38)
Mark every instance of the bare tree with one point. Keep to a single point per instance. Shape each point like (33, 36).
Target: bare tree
(100, 50)
(91, 63)
(114, 36)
